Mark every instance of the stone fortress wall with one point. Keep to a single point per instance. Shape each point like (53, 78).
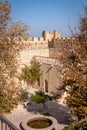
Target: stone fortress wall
(36, 46)
(49, 45)
(48, 39)
(60, 45)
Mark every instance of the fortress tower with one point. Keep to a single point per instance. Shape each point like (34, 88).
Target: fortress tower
(49, 36)
(56, 34)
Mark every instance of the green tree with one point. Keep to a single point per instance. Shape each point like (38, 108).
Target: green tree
(75, 71)
(23, 95)
(10, 34)
(41, 97)
(31, 73)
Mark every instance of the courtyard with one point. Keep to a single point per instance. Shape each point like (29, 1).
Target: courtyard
(56, 108)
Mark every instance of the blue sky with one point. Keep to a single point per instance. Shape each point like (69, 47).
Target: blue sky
(47, 14)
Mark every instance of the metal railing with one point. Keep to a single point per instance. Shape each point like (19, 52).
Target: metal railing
(5, 124)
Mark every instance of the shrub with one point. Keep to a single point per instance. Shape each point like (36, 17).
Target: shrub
(39, 97)
(23, 95)
(77, 126)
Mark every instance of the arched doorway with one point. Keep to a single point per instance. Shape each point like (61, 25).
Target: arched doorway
(38, 81)
(46, 86)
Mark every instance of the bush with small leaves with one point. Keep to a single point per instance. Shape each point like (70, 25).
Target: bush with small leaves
(23, 95)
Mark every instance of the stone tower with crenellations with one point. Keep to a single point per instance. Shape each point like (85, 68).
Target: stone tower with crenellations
(49, 36)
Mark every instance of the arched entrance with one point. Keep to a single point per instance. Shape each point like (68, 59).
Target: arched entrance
(38, 81)
(46, 86)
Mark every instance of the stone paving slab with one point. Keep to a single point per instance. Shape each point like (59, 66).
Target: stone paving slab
(61, 113)
(56, 108)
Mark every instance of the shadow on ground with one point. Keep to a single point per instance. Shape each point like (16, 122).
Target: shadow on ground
(53, 108)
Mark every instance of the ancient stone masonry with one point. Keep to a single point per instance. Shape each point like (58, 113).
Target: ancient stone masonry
(36, 46)
(49, 36)
(60, 45)
(47, 50)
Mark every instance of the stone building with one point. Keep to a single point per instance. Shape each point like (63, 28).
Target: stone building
(50, 79)
(47, 50)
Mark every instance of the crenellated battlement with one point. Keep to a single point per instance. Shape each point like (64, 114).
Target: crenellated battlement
(37, 39)
(62, 39)
(48, 40)
(46, 36)
(62, 42)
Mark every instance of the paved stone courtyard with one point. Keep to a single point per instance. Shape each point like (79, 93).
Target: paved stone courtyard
(55, 108)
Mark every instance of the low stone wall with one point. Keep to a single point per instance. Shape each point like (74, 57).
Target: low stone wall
(54, 125)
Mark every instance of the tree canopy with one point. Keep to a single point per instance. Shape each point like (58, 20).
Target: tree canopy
(75, 71)
(10, 33)
(31, 73)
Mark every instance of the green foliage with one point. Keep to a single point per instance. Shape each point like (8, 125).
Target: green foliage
(39, 97)
(34, 73)
(31, 73)
(75, 71)
(23, 95)
(9, 48)
(77, 126)
(25, 75)
(81, 126)
(77, 100)
(70, 127)
(7, 102)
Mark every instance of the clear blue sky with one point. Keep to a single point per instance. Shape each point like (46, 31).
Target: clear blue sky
(47, 14)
